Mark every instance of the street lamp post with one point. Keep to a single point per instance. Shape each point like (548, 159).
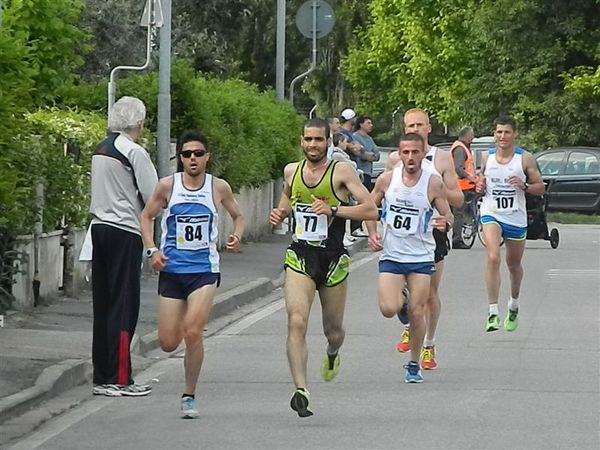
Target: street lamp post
(163, 127)
(280, 51)
(149, 20)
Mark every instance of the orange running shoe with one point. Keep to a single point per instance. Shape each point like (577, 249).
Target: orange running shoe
(403, 345)
(428, 358)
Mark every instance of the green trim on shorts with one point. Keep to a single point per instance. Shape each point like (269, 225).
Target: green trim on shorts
(336, 273)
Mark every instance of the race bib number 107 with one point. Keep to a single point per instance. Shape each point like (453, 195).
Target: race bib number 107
(504, 200)
(192, 232)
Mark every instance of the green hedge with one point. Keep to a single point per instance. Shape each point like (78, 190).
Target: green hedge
(252, 135)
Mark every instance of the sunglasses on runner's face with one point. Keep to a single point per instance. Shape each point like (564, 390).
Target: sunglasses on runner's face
(197, 153)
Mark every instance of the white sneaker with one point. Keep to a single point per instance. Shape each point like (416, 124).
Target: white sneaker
(108, 390)
(133, 390)
(188, 408)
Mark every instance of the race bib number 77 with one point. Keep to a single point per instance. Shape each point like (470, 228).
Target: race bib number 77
(310, 226)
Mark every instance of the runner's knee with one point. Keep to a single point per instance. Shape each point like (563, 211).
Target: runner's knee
(297, 324)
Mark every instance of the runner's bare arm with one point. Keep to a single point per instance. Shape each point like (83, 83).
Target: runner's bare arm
(233, 208)
(158, 201)
(381, 186)
(480, 184)
(453, 192)
(437, 193)
(535, 183)
(365, 209)
(285, 206)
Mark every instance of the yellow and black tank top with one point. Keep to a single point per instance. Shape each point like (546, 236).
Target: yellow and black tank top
(312, 229)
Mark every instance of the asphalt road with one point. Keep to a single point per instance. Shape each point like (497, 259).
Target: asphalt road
(532, 389)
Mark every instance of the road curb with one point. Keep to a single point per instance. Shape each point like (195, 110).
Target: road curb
(52, 381)
(72, 372)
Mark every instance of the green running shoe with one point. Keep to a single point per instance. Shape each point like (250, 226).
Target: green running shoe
(511, 321)
(300, 403)
(493, 323)
(330, 367)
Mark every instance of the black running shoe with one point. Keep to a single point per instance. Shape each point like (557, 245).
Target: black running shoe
(403, 313)
(300, 403)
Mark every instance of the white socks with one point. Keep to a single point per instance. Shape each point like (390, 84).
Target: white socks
(513, 304)
(493, 309)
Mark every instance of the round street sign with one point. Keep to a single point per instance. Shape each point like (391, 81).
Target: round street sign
(325, 18)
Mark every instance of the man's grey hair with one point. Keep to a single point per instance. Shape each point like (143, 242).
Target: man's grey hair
(466, 131)
(127, 114)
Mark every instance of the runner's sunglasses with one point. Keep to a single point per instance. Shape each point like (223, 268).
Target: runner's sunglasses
(197, 153)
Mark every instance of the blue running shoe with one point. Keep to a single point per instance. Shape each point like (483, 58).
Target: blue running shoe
(188, 408)
(413, 373)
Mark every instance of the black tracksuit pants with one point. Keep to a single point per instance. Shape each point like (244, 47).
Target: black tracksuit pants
(116, 270)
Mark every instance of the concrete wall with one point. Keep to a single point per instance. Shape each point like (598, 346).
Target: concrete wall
(255, 203)
(50, 268)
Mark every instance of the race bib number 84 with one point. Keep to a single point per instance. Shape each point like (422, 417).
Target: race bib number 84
(192, 232)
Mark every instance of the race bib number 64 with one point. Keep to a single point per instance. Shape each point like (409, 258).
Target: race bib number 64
(192, 232)
(403, 220)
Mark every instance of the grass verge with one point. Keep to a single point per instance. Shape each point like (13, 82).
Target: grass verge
(564, 217)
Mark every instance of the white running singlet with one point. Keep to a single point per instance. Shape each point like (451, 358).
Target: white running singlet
(502, 200)
(407, 234)
(189, 224)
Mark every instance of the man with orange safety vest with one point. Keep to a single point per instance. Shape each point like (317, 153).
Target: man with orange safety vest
(464, 165)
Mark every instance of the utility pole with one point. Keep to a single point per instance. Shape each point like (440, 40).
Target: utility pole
(164, 93)
(280, 52)
(280, 90)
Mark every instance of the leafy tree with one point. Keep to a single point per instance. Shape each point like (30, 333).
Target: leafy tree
(467, 61)
(115, 36)
(47, 29)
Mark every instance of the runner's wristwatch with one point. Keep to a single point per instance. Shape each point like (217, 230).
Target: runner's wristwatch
(149, 252)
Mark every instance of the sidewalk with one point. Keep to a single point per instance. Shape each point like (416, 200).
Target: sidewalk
(48, 350)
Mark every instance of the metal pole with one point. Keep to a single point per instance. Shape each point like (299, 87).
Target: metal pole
(312, 111)
(164, 93)
(112, 86)
(394, 119)
(280, 90)
(313, 64)
(280, 52)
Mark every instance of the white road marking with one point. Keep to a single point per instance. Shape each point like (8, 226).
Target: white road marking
(251, 319)
(61, 423)
(69, 419)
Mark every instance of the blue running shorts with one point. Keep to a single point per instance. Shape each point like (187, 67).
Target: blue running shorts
(426, 268)
(508, 231)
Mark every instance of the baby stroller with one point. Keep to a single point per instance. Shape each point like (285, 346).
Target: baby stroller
(537, 226)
